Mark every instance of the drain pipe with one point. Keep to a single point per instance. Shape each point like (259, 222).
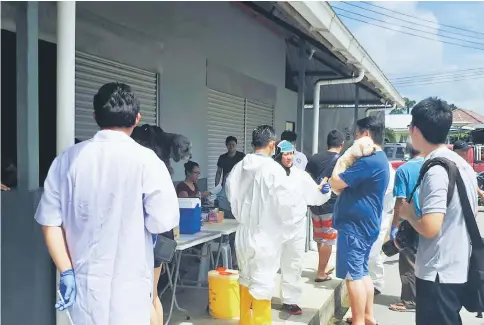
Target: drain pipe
(317, 95)
(369, 110)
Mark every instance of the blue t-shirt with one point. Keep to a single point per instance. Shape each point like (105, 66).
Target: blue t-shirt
(358, 210)
(405, 180)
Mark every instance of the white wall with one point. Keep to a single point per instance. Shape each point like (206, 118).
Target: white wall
(286, 109)
(176, 39)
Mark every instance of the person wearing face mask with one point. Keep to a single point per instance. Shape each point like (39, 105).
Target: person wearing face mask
(189, 187)
(262, 200)
(306, 192)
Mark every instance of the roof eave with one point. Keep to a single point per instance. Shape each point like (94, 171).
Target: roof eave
(324, 22)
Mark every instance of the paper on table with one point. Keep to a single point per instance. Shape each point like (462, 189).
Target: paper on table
(216, 189)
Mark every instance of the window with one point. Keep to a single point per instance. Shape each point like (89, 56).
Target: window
(389, 152)
(400, 154)
(290, 126)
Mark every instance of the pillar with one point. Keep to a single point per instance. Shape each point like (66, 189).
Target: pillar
(300, 95)
(28, 96)
(66, 61)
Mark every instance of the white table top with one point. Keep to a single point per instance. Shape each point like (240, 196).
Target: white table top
(187, 241)
(229, 226)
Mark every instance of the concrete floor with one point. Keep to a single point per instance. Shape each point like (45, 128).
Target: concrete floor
(318, 301)
(391, 295)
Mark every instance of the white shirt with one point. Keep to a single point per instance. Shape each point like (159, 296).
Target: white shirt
(300, 160)
(109, 194)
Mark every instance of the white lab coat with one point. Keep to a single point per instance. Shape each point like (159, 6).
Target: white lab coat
(377, 258)
(305, 193)
(109, 194)
(262, 201)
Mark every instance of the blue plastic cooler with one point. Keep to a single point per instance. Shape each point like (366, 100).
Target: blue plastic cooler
(190, 215)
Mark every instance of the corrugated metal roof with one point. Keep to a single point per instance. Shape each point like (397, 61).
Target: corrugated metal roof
(464, 116)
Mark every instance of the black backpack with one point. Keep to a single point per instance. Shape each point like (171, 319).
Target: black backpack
(473, 299)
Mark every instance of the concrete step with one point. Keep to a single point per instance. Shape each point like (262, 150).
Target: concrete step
(320, 301)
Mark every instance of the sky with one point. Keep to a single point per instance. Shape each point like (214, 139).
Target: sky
(400, 55)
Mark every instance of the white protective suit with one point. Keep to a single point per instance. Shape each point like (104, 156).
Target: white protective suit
(305, 193)
(377, 258)
(109, 194)
(268, 206)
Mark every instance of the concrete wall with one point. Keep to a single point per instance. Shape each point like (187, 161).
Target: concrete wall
(286, 109)
(176, 39)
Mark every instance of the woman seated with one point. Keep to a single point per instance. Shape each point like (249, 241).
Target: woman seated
(189, 187)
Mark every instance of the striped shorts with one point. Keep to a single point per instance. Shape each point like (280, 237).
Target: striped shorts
(323, 231)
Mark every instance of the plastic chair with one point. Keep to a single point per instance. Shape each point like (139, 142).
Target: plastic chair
(225, 257)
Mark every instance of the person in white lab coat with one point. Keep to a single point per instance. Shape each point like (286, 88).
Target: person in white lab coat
(103, 199)
(306, 192)
(376, 259)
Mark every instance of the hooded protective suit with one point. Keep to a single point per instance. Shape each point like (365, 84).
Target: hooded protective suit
(110, 194)
(376, 259)
(306, 193)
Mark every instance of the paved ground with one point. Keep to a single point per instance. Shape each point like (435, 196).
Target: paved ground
(391, 295)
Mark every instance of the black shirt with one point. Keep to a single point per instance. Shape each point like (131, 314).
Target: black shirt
(226, 163)
(319, 166)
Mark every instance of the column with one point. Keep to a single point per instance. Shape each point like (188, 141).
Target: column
(357, 107)
(28, 96)
(66, 61)
(300, 95)
(66, 92)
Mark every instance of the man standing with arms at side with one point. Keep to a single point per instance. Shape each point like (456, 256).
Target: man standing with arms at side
(405, 180)
(300, 160)
(321, 165)
(444, 246)
(228, 160)
(102, 200)
(357, 218)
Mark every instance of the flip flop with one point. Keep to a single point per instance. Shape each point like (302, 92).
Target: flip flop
(402, 307)
(330, 271)
(320, 280)
(349, 320)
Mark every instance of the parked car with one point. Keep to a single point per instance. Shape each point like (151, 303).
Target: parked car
(396, 153)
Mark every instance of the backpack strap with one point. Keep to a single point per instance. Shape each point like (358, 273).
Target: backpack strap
(448, 165)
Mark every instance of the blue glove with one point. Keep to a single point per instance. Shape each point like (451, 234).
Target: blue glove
(393, 232)
(67, 288)
(326, 188)
(155, 239)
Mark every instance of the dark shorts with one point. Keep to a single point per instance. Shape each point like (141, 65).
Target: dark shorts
(170, 235)
(438, 303)
(352, 254)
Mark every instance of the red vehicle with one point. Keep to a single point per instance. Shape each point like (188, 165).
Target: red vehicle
(397, 156)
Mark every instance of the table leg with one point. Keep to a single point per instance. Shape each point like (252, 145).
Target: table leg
(219, 251)
(173, 284)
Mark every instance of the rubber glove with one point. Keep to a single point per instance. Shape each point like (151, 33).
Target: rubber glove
(67, 288)
(325, 188)
(393, 232)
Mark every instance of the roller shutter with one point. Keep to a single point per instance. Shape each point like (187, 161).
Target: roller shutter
(225, 117)
(92, 72)
(256, 114)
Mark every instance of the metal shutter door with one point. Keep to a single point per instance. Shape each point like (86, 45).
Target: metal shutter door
(92, 72)
(256, 114)
(225, 117)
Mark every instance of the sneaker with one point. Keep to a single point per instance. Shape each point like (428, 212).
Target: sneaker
(292, 309)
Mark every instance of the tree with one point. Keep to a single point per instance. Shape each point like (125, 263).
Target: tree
(390, 136)
(408, 106)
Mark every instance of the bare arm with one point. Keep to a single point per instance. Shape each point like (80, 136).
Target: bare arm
(337, 183)
(429, 225)
(56, 244)
(396, 212)
(218, 175)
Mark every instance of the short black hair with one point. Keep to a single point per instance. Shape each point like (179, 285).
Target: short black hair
(334, 139)
(411, 150)
(189, 165)
(374, 126)
(230, 138)
(288, 135)
(262, 135)
(115, 106)
(461, 145)
(433, 117)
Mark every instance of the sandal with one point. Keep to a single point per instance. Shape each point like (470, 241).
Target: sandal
(349, 320)
(319, 280)
(402, 307)
(330, 271)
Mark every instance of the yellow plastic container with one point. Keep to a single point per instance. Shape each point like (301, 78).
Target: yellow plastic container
(223, 293)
